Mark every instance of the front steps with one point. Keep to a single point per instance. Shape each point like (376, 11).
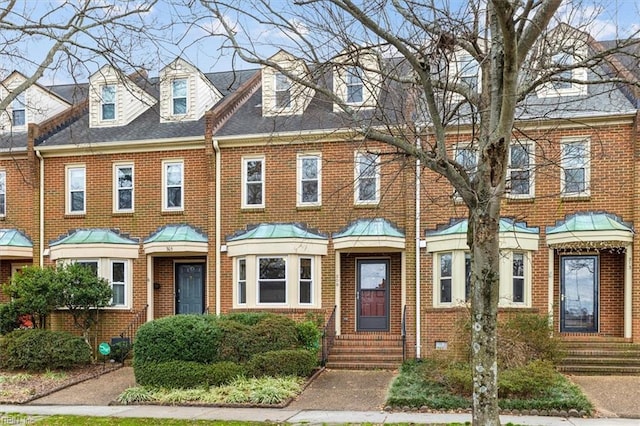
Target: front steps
(367, 351)
(606, 357)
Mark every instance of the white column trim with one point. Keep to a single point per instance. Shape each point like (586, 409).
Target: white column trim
(337, 293)
(628, 293)
(551, 274)
(150, 289)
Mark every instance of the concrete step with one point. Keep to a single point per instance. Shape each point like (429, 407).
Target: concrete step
(362, 366)
(599, 370)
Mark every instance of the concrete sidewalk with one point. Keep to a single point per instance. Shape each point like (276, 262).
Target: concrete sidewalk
(296, 417)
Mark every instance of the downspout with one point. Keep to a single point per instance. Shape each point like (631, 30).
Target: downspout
(216, 148)
(41, 208)
(418, 297)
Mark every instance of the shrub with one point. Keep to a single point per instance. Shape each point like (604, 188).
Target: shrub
(273, 333)
(9, 313)
(524, 338)
(248, 318)
(529, 381)
(297, 362)
(178, 338)
(185, 374)
(235, 341)
(42, 350)
(308, 335)
(458, 379)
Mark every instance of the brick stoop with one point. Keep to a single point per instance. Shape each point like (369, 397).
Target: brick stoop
(607, 357)
(367, 351)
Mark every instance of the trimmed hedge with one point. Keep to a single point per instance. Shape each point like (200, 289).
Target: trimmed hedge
(186, 374)
(292, 362)
(41, 350)
(274, 333)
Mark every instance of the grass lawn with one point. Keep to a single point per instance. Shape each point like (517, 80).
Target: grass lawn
(424, 384)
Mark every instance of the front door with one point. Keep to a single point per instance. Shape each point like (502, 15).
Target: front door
(372, 296)
(189, 288)
(579, 293)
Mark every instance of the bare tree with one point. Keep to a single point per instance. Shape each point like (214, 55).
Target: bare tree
(475, 64)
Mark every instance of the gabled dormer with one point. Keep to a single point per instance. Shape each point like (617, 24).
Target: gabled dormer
(281, 94)
(34, 105)
(185, 93)
(115, 99)
(357, 78)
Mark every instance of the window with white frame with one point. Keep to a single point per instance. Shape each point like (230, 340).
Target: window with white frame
(19, 113)
(367, 178)
(76, 188)
(565, 76)
(108, 102)
(453, 275)
(520, 174)
(562, 79)
(173, 191)
(467, 157)
(123, 184)
(179, 96)
(309, 180)
(305, 282)
(242, 281)
(117, 272)
(282, 90)
(253, 182)
(3, 193)
(468, 71)
(575, 162)
(272, 280)
(355, 85)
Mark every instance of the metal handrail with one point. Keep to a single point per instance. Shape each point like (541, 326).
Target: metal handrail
(130, 331)
(404, 333)
(328, 336)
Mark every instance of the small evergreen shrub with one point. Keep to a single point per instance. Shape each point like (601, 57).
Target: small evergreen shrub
(186, 374)
(236, 341)
(524, 338)
(458, 379)
(525, 382)
(309, 335)
(273, 333)
(297, 362)
(9, 313)
(248, 318)
(41, 350)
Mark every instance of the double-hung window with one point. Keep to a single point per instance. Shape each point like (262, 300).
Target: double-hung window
(367, 178)
(3, 193)
(521, 170)
(118, 282)
(108, 102)
(116, 272)
(179, 96)
(253, 185)
(575, 167)
(282, 91)
(354, 85)
(309, 180)
(242, 281)
(468, 71)
(562, 79)
(76, 186)
(272, 280)
(173, 193)
(306, 281)
(123, 183)
(446, 277)
(518, 277)
(19, 114)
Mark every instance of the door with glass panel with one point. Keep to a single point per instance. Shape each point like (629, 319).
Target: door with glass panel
(579, 282)
(190, 288)
(372, 295)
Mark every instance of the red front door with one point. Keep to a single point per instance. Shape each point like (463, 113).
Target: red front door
(373, 294)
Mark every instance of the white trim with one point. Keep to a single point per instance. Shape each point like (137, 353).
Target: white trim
(299, 178)
(173, 97)
(585, 236)
(287, 284)
(9, 252)
(245, 182)
(3, 191)
(174, 248)
(101, 118)
(628, 292)
(368, 243)
(68, 198)
(530, 147)
(263, 246)
(165, 200)
(586, 165)
(508, 241)
(97, 250)
(116, 189)
(123, 147)
(358, 176)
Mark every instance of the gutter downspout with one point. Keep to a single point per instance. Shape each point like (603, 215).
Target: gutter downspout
(41, 207)
(216, 149)
(418, 296)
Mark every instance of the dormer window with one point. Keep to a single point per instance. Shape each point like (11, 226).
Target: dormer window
(562, 72)
(354, 85)
(283, 91)
(108, 102)
(560, 61)
(468, 71)
(179, 96)
(19, 115)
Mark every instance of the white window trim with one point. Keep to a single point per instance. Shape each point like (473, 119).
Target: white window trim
(277, 107)
(506, 279)
(245, 182)
(356, 188)
(111, 282)
(548, 90)
(348, 84)
(115, 103)
(104, 271)
(301, 158)
(587, 168)
(532, 180)
(173, 97)
(22, 107)
(292, 281)
(165, 200)
(237, 280)
(311, 280)
(68, 198)
(3, 192)
(116, 188)
(287, 283)
(465, 146)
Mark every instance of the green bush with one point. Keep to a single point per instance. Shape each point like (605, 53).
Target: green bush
(236, 341)
(178, 338)
(525, 382)
(248, 318)
(9, 313)
(274, 333)
(309, 335)
(186, 374)
(458, 379)
(41, 350)
(297, 362)
(524, 338)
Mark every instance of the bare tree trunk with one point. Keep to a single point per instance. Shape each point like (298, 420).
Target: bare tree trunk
(483, 232)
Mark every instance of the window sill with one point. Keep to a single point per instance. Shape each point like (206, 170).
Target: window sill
(252, 209)
(307, 208)
(575, 198)
(366, 205)
(172, 212)
(518, 200)
(75, 215)
(280, 310)
(123, 214)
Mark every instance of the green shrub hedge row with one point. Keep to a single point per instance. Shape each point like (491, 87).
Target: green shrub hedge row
(296, 362)
(41, 350)
(186, 374)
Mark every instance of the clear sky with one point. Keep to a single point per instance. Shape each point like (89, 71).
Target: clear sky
(193, 39)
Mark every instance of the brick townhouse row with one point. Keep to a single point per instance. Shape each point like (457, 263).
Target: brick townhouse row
(244, 191)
